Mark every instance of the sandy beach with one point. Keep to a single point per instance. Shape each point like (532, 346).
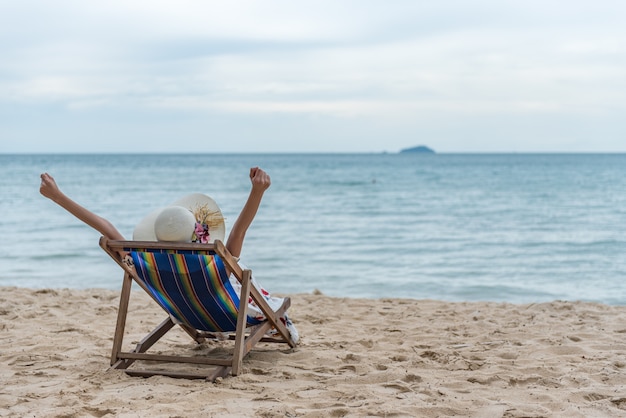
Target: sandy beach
(358, 357)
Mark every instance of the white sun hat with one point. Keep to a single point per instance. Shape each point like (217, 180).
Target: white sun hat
(192, 218)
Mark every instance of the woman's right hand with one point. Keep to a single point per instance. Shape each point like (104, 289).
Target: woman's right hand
(260, 179)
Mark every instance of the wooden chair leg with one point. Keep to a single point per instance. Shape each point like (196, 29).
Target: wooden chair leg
(154, 336)
(121, 317)
(242, 319)
(125, 359)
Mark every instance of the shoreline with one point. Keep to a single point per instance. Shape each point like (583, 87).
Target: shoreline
(358, 357)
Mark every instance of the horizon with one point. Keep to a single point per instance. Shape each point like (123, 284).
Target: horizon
(112, 153)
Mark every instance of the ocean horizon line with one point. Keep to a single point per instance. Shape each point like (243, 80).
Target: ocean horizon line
(316, 153)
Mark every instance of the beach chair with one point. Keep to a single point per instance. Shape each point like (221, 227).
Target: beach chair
(190, 282)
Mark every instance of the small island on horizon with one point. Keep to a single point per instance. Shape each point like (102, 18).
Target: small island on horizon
(420, 149)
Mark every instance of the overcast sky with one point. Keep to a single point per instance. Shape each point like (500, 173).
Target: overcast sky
(316, 76)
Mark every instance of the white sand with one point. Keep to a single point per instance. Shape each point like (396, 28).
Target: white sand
(358, 357)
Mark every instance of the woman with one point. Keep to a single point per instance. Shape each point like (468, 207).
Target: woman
(260, 183)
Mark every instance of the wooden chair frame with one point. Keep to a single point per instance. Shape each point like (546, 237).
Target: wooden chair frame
(244, 339)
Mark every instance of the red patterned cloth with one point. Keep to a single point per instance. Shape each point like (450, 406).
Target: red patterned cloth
(272, 301)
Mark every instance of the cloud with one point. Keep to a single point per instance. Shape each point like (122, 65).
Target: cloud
(406, 64)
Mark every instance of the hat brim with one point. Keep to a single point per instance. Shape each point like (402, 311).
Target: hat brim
(144, 230)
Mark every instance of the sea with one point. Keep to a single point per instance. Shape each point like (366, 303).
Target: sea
(517, 228)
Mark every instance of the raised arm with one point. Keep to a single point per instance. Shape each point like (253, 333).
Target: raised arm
(50, 190)
(260, 183)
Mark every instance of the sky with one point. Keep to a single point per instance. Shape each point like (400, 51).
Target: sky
(191, 76)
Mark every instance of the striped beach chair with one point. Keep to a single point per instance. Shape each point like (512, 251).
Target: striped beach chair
(191, 283)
